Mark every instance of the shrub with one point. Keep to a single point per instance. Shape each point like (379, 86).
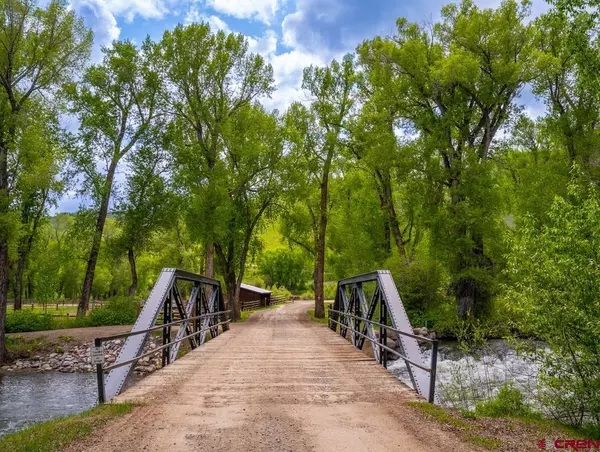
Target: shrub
(24, 321)
(281, 292)
(555, 272)
(117, 311)
(508, 403)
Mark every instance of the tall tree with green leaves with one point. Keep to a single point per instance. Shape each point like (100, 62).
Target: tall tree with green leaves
(568, 84)
(316, 137)
(116, 103)
(40, 49)
(39, 154)
(209, 78)
(457, 85)
(229, 204)
(147, 205)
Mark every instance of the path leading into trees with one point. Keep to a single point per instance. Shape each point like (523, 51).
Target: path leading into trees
(277, 382)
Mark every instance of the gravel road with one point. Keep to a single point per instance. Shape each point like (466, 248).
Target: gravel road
(277, 382)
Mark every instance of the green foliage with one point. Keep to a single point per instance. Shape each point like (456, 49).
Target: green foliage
(24, 321)
(117, 311)
(509, 402)
(285, 267)
(554, 269)
(55, 435)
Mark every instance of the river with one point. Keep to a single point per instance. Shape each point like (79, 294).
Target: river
(30, 398)
(463, 379)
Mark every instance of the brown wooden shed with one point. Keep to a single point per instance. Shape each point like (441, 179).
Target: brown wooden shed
(250, 293)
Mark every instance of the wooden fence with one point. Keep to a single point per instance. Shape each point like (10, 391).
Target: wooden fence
(252, 305)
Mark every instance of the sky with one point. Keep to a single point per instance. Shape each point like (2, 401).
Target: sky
(290, 34)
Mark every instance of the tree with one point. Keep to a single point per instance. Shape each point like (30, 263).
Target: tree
(568, 82)
(147, 205)
(228, 205)
(41, 48)
(457, 84)
(554, 269)
(210, 77)
(38, 155)
(315, 137)
(374, 144)
(116, 103)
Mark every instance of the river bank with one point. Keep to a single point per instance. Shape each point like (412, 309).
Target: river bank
(69, 353)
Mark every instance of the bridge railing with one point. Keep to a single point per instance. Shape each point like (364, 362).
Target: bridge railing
(382, 345)
(199, 316)
(353, 311)
(99, 341)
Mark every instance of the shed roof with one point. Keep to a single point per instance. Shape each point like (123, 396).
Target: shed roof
(255, 289)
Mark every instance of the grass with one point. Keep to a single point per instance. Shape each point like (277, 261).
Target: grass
(534, 425)
(311, 314)
(18, 347)
(466, 430)
(49, 309)
(245, 315)
(56, 434)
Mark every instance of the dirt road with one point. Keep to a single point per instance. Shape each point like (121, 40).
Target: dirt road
(277, 382)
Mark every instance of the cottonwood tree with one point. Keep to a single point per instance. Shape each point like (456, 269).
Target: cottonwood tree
(568, 84)
(316, 136)
(209, 78)
(457, 84)
(40, 48)
(147, 205)
(245, 182)
(37, 159)
(376, 149)
(116, 102)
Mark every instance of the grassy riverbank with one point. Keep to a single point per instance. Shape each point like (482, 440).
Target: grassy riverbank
(311, 314)
(56, 434)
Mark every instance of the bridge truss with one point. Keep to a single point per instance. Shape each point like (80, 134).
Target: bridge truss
(206, 301)
(359, 317)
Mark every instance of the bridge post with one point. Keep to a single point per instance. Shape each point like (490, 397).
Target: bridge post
(100, 374)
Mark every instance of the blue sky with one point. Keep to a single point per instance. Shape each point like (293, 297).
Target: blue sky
(290, 34)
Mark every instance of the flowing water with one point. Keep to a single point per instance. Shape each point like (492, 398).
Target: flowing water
(30, 398)
(463, 378)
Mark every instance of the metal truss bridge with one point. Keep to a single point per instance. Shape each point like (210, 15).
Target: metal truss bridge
(277, 381)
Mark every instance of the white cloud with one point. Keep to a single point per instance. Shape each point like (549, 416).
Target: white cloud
(287, 71)
(100, 16)
(215, 22)
(262, 10)
(264, 45)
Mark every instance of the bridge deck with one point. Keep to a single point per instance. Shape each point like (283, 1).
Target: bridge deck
(276, 382)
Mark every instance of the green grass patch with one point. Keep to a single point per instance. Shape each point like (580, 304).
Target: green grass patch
(56, 434)
(442, 415)
(466, 430)
(116, 311)
(311, 314)
(19, 347)
(483, 441)
(245, 315)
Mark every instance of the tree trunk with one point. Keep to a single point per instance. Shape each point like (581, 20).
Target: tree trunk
(386, 196)
(320, 244)
(134, 275)
(19, 281)
(3, 292)
(210, 260)
(93, 259)
(4, 264)
(25, 248)
(233, 295)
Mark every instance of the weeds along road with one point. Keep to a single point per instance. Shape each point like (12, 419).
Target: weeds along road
(277, 382)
